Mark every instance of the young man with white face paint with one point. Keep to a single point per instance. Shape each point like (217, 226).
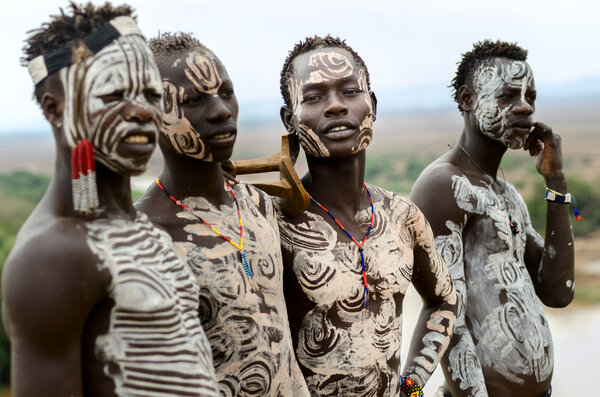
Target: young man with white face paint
(96, 302)
(344, 291)
(228, 236)
(498, 262)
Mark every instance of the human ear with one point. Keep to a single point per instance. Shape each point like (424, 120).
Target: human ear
(465, 98)
(374, 103)
(53, 108)
(287, 119)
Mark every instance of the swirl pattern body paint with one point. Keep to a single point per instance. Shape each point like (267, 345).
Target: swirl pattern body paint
(342, 349)
(201, 71)
(329, 65)
(126, 68)
(488, 81)
(154, 344)
(509, 331)
(248, 330)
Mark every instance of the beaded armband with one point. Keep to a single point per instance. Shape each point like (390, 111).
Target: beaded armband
(556, 197)
(552, 195)
(409, 387)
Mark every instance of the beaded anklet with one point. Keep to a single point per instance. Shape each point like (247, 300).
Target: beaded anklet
(360, 246)
(240, 246)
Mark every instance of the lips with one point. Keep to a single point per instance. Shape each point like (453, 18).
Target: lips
(223, 136)
(338, 130)
(522, 124)
(138, 143)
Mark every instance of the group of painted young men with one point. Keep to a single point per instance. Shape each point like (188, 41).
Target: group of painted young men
(201, 289)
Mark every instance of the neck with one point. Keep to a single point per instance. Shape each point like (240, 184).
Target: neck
(337, 183)
(484, 151)
(114, 190)
(186, 177)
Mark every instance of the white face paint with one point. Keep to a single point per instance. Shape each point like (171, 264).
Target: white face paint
(328, 66)
(488, 81)
(202, 74)
(125, 71)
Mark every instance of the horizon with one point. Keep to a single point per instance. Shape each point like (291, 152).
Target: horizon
(411, 51)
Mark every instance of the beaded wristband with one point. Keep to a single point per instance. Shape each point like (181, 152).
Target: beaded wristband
(556, 197)
(409, 387)
(552, 195)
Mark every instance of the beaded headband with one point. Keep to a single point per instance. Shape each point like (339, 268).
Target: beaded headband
(44, 65)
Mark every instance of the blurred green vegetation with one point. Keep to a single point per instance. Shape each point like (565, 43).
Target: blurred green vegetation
(19, 193)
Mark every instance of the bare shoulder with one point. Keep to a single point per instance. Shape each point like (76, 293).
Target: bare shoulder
(159, 208)
(50, 281)
(433, 193)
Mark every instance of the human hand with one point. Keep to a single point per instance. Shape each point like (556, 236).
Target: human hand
(545, 146)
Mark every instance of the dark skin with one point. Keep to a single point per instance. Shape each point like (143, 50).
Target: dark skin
(211, 111)
(54, 308)
(549, 263)
(337, 182)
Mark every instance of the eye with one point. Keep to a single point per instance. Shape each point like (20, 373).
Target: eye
(192, 100)
(113, 96)
(310, 98)
(227, 94)
(352, 91)
(504, 95)
(531, 97)
(152, 96)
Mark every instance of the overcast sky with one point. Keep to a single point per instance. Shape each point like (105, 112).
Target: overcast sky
(403, 43)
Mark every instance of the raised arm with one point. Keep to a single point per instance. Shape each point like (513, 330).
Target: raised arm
(436, 321)
(47, 297)
(432, 193)
(550, 261)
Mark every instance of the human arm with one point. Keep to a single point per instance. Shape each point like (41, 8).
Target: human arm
(47, 296)
(433, 194)
(436, 321)
(550, 261)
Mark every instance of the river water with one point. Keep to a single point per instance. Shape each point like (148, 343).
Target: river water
(576, 336)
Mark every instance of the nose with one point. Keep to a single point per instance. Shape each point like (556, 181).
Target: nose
(335, 106)
(524, 107)
(135, 111)
(219, 110)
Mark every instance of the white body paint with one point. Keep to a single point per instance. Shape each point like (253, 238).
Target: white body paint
(496, 295)
(362, 357)
(488, 80)
(331, 65)
(126, 65)
(248, 330)
(154, 344)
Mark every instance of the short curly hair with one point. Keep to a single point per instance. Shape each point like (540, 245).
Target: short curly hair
(309, 44)
(482, 51)
(166, 44)
(67, 28)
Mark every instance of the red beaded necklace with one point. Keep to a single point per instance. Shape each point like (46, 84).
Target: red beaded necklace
(239, 246)
(360, 245)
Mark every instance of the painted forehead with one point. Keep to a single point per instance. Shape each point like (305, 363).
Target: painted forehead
(125, 64)
(324, 64)
(200, 69)
(497, 72)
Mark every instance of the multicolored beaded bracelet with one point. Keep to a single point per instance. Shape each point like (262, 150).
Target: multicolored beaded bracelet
(409, 387)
